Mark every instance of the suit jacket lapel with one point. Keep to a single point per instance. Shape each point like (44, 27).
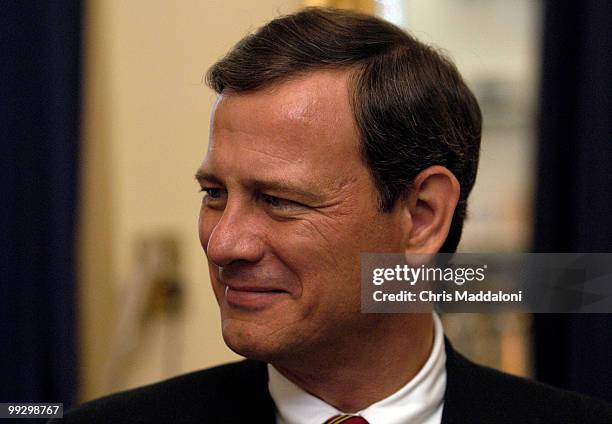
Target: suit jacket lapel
(456, 405)
(467, 393)
(251, 401)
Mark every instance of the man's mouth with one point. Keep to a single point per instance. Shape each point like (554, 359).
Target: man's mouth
(252, 297)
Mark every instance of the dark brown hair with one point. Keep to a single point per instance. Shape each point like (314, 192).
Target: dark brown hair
(411, 106)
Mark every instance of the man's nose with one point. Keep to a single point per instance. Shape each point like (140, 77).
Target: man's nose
(236, 237)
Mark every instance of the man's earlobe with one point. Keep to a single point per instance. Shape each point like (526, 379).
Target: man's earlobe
(431, 204)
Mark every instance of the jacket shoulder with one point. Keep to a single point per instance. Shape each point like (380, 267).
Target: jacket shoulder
(480, 394)
(201, 396)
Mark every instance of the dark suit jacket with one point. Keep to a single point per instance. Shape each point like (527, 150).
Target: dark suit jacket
(238, 393)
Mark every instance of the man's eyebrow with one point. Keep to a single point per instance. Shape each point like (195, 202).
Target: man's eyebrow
(278, 186)
(283, 187)
(203, 176)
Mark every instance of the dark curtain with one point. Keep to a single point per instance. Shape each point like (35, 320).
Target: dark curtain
(39, 109)
(574, 195)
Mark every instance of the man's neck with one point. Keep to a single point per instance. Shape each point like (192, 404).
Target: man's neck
(356, 375)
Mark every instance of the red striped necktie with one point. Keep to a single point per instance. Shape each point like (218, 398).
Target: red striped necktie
(346, 419)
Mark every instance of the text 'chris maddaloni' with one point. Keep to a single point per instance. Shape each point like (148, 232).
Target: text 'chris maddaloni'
(419, 281)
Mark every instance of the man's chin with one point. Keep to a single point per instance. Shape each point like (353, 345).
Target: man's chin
(252, 341)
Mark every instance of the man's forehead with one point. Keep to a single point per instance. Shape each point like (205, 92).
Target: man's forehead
(317, 100)
(302, 129)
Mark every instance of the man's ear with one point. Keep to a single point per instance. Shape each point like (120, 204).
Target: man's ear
(429, 207)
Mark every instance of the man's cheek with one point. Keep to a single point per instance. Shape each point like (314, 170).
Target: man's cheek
(321, 242)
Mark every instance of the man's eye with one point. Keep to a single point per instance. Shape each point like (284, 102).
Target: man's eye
(280, 203)
(214, 195)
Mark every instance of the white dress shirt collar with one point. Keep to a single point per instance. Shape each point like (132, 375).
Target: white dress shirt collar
(420, 401)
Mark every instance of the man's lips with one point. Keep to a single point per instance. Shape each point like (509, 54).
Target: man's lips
(244, 288)
(250, 296)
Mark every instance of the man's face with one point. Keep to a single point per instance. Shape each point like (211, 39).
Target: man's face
(289, 207)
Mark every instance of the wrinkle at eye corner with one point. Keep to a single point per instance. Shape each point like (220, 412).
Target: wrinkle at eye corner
(323, 235)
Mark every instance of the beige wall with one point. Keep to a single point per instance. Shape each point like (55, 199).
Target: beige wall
(145, 132)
